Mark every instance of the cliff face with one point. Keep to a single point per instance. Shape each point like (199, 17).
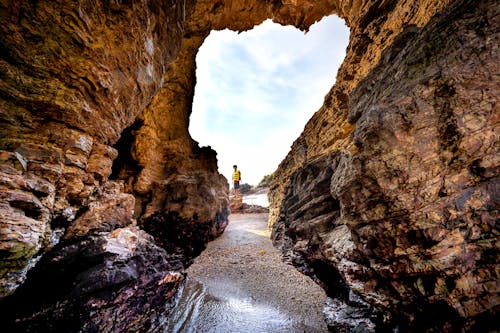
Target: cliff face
(74, 77)
(105, 197)
(399, 220)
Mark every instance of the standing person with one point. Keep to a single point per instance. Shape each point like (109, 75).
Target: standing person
(236, 180)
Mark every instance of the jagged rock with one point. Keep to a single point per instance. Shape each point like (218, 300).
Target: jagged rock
(406, 217)
(235, 203)
(117, 282)
(342, 317)
(112, 209)
(73, 77)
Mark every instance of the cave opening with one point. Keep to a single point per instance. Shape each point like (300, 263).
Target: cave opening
(125, 165)
(254, 93)
(256, 90)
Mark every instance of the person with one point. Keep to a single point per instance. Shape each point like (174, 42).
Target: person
(236, 180)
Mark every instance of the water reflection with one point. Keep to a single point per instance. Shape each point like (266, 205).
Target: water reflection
(199, 311)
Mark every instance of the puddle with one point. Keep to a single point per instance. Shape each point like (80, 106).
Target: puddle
(199, 310)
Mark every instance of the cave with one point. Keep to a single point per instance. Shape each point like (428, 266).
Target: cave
(396, 199)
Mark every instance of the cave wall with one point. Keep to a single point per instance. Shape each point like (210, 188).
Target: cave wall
(105, 197)
(74, 75)
(399, 220)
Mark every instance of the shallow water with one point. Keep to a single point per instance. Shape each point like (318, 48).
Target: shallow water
(240, 284)
(256, 199)
(199, 310)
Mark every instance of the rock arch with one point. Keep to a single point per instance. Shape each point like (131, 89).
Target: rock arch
(77, 77)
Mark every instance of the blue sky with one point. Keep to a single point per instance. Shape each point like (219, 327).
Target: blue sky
(256, 90)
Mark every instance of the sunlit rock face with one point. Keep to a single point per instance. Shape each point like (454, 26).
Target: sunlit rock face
(387, 198)
(399, 222)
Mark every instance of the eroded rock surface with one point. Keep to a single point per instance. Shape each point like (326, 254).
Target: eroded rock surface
(104, 196)
(116, 282)
(403, 226)
(77, 78)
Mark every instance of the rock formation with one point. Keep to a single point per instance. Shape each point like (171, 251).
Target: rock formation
(398, 217)
(90, 155)
(105, 198)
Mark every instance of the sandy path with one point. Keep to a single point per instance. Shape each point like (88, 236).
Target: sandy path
(243, 263)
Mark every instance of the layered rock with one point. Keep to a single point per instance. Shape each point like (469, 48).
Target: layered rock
(75, 78)
(373, 27)
(182, 200)
(106, 275)
(398, 222)
(72, 78)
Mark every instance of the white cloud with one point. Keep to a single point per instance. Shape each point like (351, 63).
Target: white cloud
(256, 90)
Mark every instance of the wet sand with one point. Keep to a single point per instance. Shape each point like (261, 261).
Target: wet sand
(242, 264)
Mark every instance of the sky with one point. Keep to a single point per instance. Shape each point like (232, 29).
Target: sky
(256, 90)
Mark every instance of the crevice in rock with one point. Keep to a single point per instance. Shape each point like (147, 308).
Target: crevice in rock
(30, 209)
(125, 165)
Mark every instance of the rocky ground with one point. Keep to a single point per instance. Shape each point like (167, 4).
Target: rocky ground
(244, 259)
